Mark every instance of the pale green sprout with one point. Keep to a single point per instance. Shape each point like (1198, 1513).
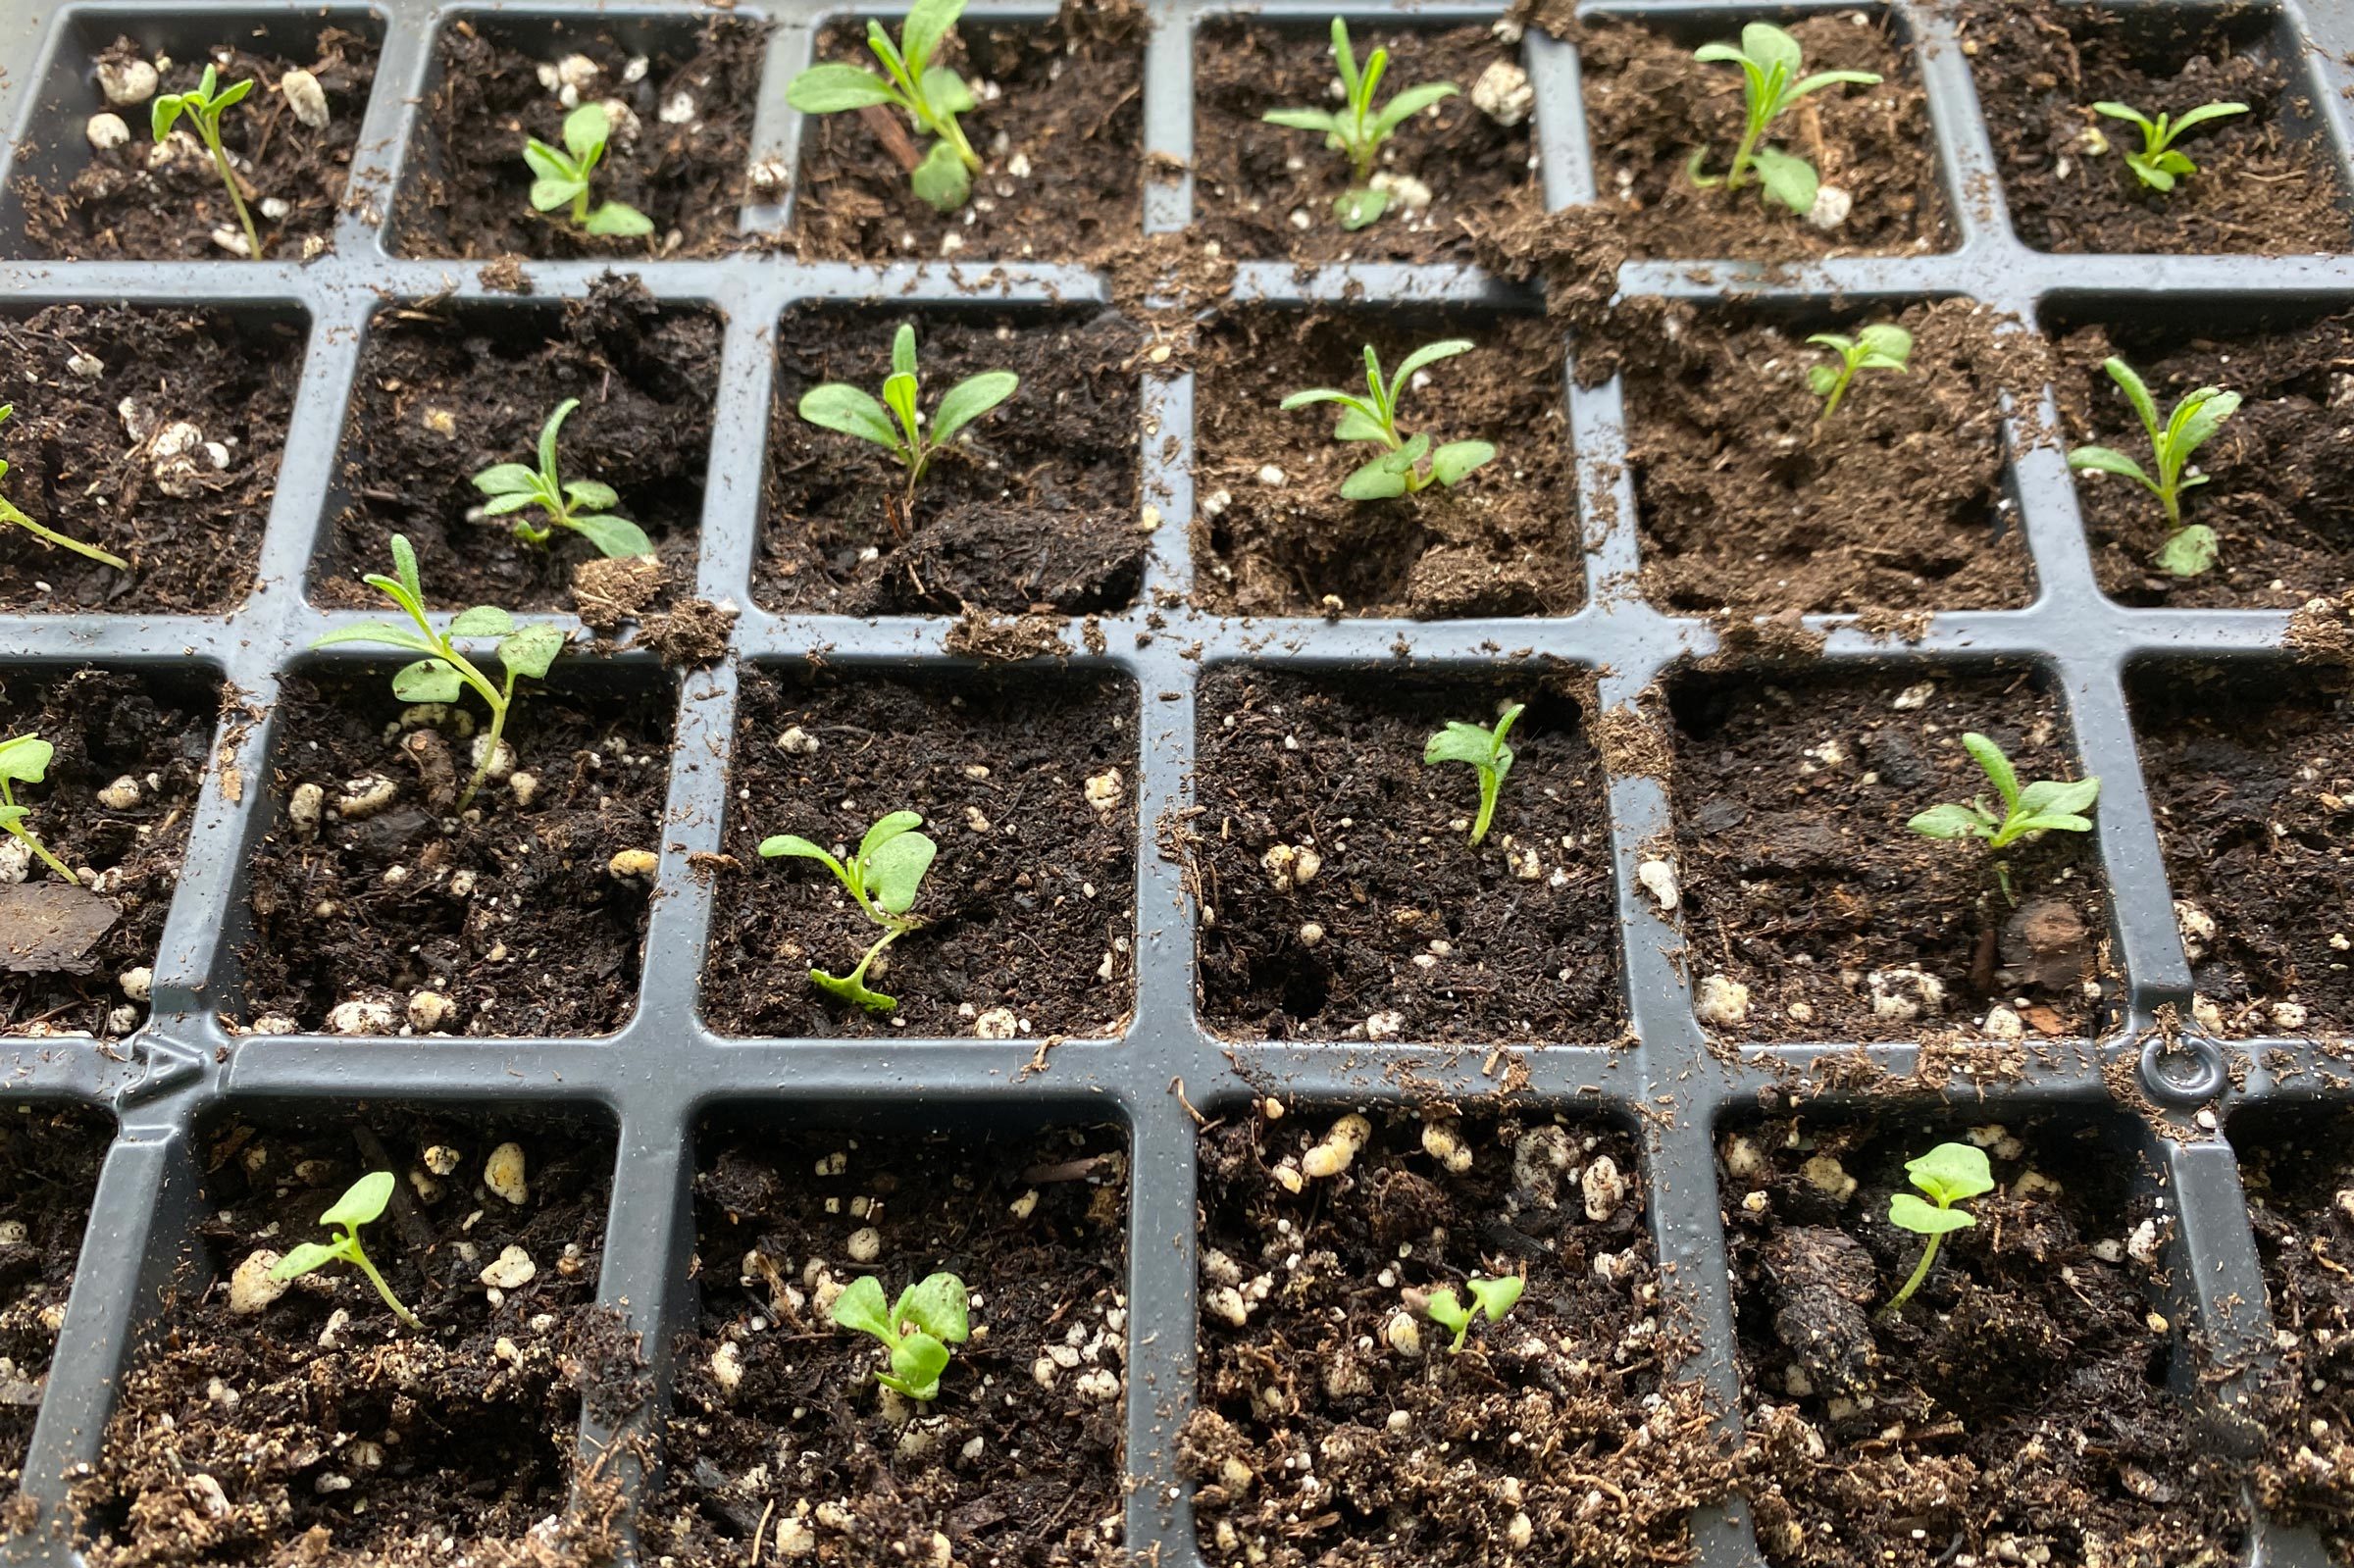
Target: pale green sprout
(2160, 163)
(363, 1204)
(8, 514)
(917, 1329)
(206, 107)
(1490, 1299)
(1483, 749)
(2187, 550)
(929, 94)
(24, 759)
(1358, 130)
(1949, 1173)
(1400, 469)
(1882, 347)
(1769, 60)
(884, 876)
(2044, 806)
(560, 176)
(896, 424)
(575, 504)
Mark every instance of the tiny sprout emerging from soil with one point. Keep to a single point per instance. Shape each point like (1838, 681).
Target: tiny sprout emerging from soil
(2188, 551)
(8, 514)
(1769, 60)
(1491, 1298)
(1884, 346)
(2048, 804)
(884, 876)
(24, 759)
(206, 107)
(1948, 1173)
(561, 177)
(1358, 129)
(917, 1330)
(2160, 164)
(363, 1204)
(1483, 749)
(896, 424)
(576, 504)
(445, 674)
(1400, 469)
(931, 95)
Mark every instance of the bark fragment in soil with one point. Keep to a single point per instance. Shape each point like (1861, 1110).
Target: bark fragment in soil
(1750, 501)
(1802, 886)
(678, 153)
(1648, 103)
(1031, 904)
(120, 205)
(2260, 187)
(49, 1160)
(1249, 177)
(2018, 1407)
(77, 462)
(1403, 929)
(443, 394)
(1018, 1461)
(2281, 490)
(516, 920)
(1336, 1428)
(1034, 507)
(107, 725)
(328, 1432)
(1273, 535)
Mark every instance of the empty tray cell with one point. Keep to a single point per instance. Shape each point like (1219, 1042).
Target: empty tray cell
(2251, 771)
(679, 98)
(1650, 105)
(152, 435)
(2020, 1402)
(2266, 180)
(1892, 505)
(95, 184)
(1339, 1422)
(445, 393)
(1450, 174)
(2280, 488)
(1027, 785)
(1033, 506)
(316, 1416)
(1058, 128)
(1815, 914)
(378, 906)
(1342, 898)
(49, 1159)
(1273, 535)
(780, 1421)
(129, 753)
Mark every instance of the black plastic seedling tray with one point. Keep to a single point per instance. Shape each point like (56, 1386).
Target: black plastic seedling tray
(662, 1074)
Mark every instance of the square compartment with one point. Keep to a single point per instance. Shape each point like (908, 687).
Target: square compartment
(50, 1156)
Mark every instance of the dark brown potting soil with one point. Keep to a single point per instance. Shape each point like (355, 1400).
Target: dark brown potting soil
(49, 1160)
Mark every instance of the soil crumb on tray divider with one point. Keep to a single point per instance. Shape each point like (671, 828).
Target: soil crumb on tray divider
(49, 1161)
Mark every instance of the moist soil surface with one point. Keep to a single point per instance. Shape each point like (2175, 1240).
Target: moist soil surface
(1801, 881)
(1017, 1463)
(107, 725)
(1030, 908)
(513, 916)
(680, 153)
(444, 394)
(1503, 542)
(329, 1432)
(79, 465)
(49, 1160)
(2253, 784)
(1250, 177)
(1034, 507)
(2281, 488)
(1750, 500)
(122, 205)
(1645, 118)
(1059, 131)
(2263, 186)
(1404, 929)
(2018, 1406)
(1386, 1448)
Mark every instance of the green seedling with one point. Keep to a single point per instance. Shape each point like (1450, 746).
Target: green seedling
(1358, 130)
(1400, 469)
(8, 514)
(1948, 1174)
(363, 1204)
(2044, 806)
(917, 1330)
(577, 504)
(1884, 346)
(1769, 60)
(930, 95)
(884, 876)
(205, 107)
(896, 424)
(1483, 749)
(560, 178)
(445, 674)
(24, 759)
(2188, 551)
(1491, 1298)
(2160, 163)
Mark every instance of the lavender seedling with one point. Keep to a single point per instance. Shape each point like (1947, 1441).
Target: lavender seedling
(2160, 163)
(1884, 346)
(24, 759)
(205, 107)
(560, 176)
(8, 514)
(1490, 1299)
(1400, 469)
(2187, 550)
(917, 1329)
(363, 1204)
(884, 876)
(1483, 749)
(900, 427)
(1358, 130)
(930, 95)
(1949, 1172)
(575, 504)
(1769, 60)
